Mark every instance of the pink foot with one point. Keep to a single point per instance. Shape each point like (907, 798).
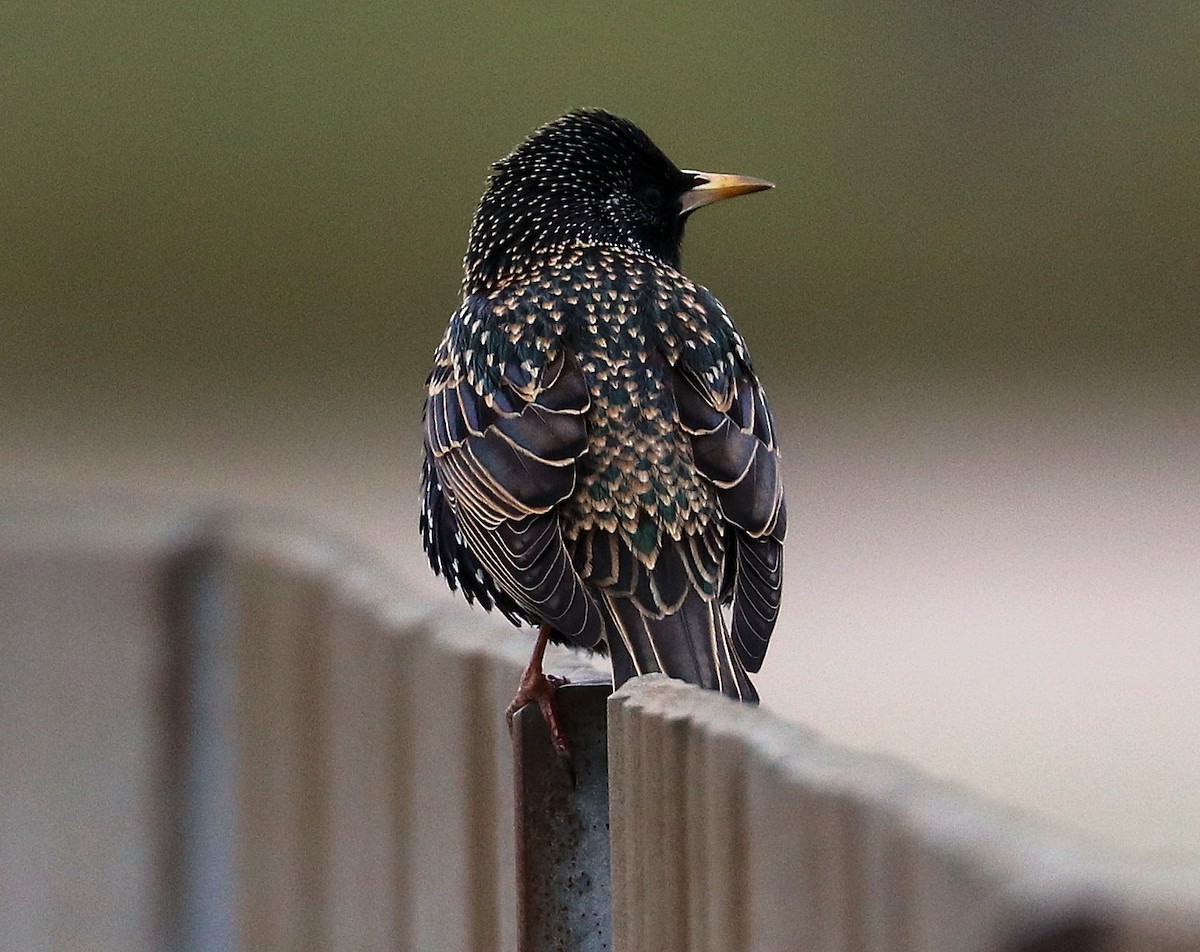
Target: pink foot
(538, 688)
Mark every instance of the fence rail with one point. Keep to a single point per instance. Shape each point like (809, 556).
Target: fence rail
(222, 734)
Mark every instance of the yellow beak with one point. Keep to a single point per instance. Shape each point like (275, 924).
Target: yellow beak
(716, 186)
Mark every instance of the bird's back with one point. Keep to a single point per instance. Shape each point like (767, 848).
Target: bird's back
(643, 525)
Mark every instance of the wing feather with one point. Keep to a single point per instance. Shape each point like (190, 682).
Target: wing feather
(733, 440)
(501, 457)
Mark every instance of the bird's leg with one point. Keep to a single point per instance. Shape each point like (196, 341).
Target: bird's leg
(538, 687)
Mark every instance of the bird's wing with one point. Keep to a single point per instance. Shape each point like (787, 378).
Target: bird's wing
(501, 442)
(449, 556)
(734, 445)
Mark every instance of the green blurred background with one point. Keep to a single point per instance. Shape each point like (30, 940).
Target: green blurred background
(232, 236)
(226, 208)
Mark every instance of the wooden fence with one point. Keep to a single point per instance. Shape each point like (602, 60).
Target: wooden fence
(220, 734)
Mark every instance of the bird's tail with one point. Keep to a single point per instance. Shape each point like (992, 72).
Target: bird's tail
(692, 643)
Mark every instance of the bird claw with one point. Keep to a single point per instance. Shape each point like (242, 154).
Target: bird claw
(538, 688)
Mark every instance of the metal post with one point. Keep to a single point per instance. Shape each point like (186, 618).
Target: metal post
(199, 866)
(563, 897)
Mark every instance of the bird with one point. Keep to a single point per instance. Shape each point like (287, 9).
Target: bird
(600, 460)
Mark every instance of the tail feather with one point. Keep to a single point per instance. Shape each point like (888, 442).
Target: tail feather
(692, 643)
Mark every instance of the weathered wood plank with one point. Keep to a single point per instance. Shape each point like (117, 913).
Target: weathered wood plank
(82, 751)
(784, 842)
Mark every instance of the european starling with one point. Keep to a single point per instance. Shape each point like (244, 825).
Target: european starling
(600, 460)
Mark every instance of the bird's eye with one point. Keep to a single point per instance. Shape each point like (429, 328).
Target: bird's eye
(652, 196)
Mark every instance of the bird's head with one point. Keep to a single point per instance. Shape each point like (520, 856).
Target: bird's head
(589, 177)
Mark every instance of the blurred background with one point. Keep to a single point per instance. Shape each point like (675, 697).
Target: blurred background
(232, 236)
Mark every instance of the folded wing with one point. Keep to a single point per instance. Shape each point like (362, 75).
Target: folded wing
(733, 441)
(498, 462)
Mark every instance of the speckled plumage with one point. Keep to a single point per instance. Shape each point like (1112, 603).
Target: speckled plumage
(599, 453)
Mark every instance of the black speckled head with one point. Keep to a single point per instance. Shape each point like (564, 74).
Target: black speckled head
(588, 176)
